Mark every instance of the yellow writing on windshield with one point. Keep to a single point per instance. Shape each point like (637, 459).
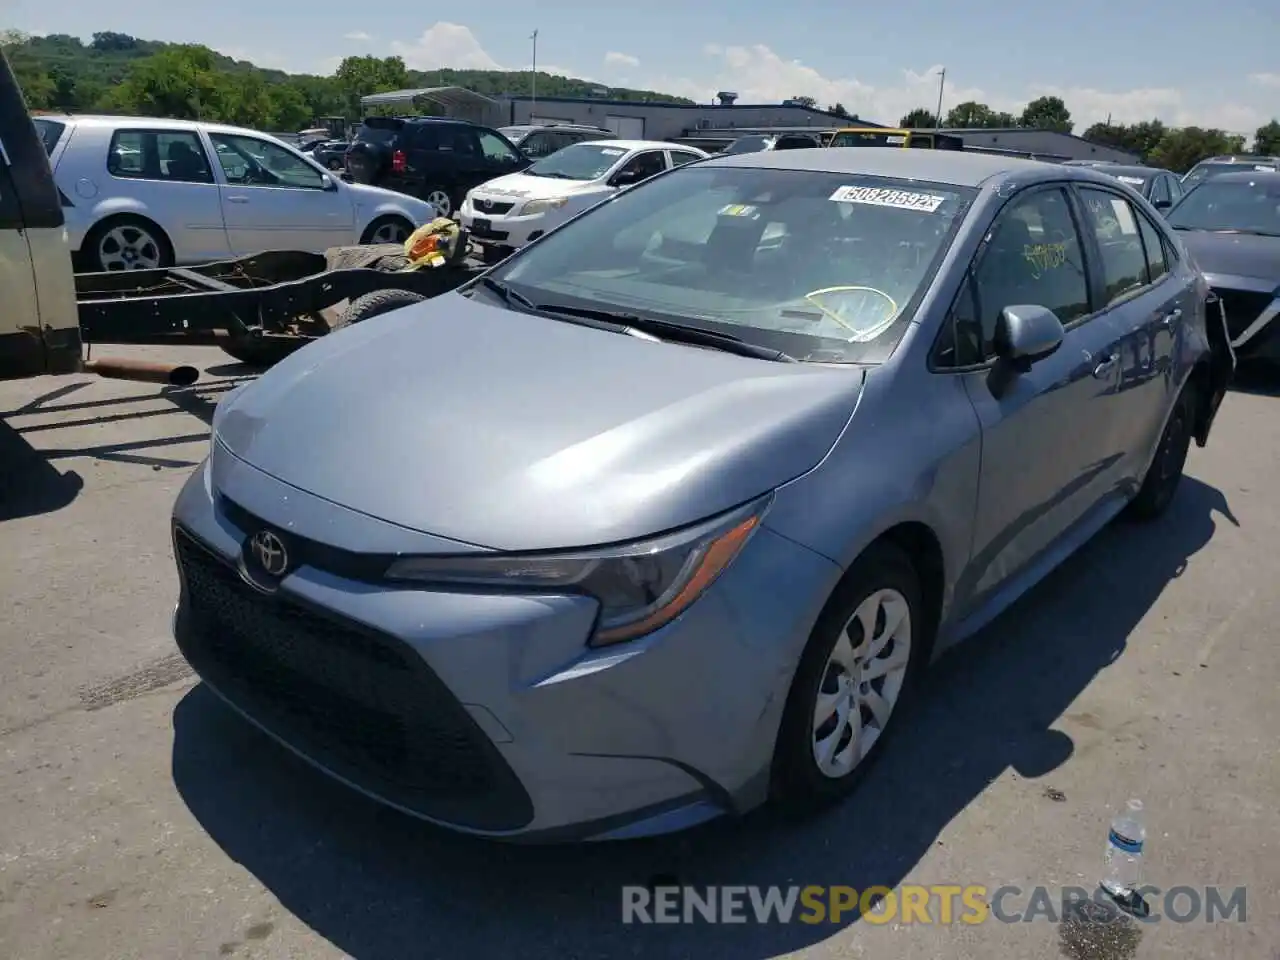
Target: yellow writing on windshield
(1044, 257)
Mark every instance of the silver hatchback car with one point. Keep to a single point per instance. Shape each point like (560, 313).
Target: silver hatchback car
(662, 517)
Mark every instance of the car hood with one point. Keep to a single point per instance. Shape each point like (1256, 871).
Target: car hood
(525, 187)
(518, 432)
(1234, 254)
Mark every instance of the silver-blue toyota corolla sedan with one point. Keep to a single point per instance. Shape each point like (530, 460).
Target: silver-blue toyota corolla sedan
(662, 517)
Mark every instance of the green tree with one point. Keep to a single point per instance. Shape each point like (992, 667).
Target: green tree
(969, 115)
(805, 101)
(1266, 141)
(181, 81)
(1003, 120)
(1181, 149)
(838, 109)
(1047, 113)
(360, 76)
(921, 118)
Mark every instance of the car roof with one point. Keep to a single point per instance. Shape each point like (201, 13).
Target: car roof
(1247, 176)
(1129, 169)
(958, 168)
(109, 121)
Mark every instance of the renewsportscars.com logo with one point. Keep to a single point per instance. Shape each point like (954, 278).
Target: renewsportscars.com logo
(939, 904)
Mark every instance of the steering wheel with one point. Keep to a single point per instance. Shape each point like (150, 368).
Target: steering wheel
(861, 333)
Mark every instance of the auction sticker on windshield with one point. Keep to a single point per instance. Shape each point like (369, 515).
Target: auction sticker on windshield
(1135, 181)
(612, 152)
(884, 197)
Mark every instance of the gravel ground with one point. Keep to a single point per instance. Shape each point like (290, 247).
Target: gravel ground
(138, 819)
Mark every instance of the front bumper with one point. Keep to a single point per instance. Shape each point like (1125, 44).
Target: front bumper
(487, 713)
(505, 229)
(1252, 309)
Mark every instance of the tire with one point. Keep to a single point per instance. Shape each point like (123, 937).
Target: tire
(261, 352)
(107, 247)
(384, 225)
(441, 199)
(375, 304)
(1165, 472)
(882, 579)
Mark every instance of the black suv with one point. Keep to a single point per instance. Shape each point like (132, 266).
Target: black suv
(538, 140)
(433, 158)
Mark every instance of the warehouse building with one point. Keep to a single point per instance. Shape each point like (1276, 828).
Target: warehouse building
(1042, 144)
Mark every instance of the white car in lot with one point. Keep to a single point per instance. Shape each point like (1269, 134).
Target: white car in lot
(140, 193)
(506, 213)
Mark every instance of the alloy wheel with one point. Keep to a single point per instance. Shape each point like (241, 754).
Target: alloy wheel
(861, 682)
(128, 247)
(440, 200)
(393, 231)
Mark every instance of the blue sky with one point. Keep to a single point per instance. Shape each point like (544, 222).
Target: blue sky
(1132, 61)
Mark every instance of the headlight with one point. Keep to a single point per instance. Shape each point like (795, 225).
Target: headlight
(640, 586)
(542, 206)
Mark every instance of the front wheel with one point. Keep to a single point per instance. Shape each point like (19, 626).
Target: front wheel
(858, 668)
(1165, 472)
(389, 229)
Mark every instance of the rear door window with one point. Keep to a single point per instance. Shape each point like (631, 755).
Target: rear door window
(1114, 224)
(50, 132)
(172, 155)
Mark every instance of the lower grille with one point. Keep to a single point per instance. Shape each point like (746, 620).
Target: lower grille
(1243, 307)
(360, 703)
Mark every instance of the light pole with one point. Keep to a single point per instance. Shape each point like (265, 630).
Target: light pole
(937, 117)
(533, 100)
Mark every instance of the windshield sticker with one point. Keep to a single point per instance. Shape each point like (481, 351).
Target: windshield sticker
(897, 141)
(1135, 181)
(738, 210)
(882, 197)
(1264, 169)
(612, 152)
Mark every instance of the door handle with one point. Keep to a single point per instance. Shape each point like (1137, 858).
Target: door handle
(237, 199)
(1169, 319)
(1105, 366)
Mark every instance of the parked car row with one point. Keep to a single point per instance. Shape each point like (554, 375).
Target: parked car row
(140, 193)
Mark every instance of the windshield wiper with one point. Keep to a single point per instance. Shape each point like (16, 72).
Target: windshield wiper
(633, 324)
(1251, 233)
(506, 294)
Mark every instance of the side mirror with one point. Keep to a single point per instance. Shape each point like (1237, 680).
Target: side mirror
(328, 183)
(623, 178)
(1162, 204)
(1024, 335)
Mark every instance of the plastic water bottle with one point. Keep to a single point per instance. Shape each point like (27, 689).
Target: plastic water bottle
(1123, 871)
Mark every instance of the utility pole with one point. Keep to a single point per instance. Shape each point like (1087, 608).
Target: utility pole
(942, 82)
(533, 105)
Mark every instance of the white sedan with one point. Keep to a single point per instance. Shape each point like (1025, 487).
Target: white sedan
(515, 209)
(140, 193)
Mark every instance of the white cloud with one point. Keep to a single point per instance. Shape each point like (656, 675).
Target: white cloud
(359, 36)
(1265, 79)
(615, 59)
(445, 46)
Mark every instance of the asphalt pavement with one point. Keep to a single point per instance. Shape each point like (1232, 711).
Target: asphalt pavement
(140, 820)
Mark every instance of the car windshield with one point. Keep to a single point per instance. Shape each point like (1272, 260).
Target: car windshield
(370, 134)
(822, 266)
(1206, 171)
(515, 134)
(1244, 206)
(49, 132)
(578, 161)
(860, 138)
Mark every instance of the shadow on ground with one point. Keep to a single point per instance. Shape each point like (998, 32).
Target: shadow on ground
(380, 886)
(30, 481)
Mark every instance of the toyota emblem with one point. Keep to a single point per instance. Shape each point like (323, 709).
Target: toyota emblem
(269, 551)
